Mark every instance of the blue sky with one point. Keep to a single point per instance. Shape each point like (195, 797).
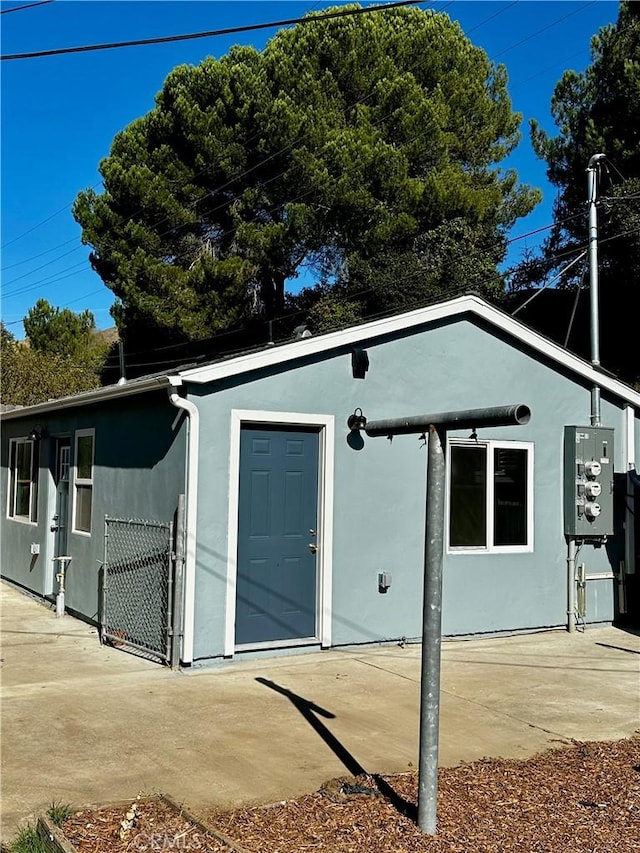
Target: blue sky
(60, 114)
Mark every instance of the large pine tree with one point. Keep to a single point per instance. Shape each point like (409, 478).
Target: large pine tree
(346, 145)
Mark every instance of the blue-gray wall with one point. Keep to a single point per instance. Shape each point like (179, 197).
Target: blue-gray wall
(380, 490)
(379, 507)
(139, 471)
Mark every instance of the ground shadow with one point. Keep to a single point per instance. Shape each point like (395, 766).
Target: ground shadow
(312, 713)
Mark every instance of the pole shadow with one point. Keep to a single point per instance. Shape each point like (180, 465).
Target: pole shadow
(312, 713)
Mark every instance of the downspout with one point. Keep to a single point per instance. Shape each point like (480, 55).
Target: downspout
(193, 444)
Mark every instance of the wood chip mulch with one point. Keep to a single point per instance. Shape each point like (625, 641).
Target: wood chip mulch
(582, 798)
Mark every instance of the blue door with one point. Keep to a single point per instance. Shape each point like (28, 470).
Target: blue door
(277, 535)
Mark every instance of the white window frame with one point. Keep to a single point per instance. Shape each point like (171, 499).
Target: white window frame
(82, 481)
(12, 491)
(490, 548)
(326, 428)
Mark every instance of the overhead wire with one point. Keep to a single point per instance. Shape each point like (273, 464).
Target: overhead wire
(544, 29)
(300, 312)
(27, 6)
(210, 33)
(43, 222)
(294, 142)
(256, 135)
(236, 178)
(246, 172)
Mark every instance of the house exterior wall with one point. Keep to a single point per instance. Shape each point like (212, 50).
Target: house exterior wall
(379, 509)
(139, 471)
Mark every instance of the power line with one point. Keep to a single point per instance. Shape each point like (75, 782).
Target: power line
(238, 177)
(210, 33)
(40, 255)
(544, 29)
(47, 264)
(22, 8)
(349, 296)
(43, 222)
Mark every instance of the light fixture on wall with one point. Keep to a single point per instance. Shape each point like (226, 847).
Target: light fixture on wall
(359, 363)
(356, 421)
(37, 433)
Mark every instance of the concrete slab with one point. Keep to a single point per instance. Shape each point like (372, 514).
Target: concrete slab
(84, 723)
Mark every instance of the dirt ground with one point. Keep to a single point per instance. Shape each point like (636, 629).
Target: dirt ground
(583, 798)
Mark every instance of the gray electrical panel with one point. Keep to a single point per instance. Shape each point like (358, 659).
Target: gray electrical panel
(588, 481)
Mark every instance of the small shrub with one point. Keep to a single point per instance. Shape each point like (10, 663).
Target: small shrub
(26, 841)
(59, 812)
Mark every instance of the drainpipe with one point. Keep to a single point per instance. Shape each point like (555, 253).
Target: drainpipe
(592, 192)
(193, 443)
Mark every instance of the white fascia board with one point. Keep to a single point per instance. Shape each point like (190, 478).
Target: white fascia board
(389, 325)
(557, 353)
(311, 346)
(110, 392)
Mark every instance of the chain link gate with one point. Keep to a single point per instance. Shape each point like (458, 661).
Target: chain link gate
(138, 587)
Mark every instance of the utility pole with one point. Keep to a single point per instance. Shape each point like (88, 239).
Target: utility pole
(592, 193)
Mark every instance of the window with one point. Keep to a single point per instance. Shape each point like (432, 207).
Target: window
(83, 481)
(490, 496)
(23, 479)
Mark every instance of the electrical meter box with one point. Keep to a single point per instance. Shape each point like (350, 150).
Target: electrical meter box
(588, 481)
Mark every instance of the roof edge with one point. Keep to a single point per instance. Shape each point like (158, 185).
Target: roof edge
(108, 392)
(468, 304)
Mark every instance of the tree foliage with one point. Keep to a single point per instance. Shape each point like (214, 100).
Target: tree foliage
(61, 356)
(343, 146)
(59, 331)
(30, 376)
(598, 111)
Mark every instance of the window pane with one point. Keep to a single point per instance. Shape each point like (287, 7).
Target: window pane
(468, 505)
(84, 461)
(23, 491)
(83, 508)
(12, 468)
(23, 478)
(510, 497)
(23, 465)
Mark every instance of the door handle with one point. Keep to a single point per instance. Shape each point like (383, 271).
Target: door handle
(313, 547)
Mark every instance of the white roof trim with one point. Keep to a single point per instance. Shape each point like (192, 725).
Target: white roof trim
(442, 311)
(284, 353)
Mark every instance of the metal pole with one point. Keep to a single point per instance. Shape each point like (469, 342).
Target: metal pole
(178, 584)
(592, 192)
(431, 636)
(571, 586)
(123, 375)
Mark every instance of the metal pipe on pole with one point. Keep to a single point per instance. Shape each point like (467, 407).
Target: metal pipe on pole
(463, 419)
(592, 193)
(436, 426)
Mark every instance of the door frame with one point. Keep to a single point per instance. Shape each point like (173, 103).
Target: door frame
(55, 441)
(326, 443)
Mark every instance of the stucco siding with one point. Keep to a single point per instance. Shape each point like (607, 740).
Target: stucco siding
(379, 507)
(139, 464)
